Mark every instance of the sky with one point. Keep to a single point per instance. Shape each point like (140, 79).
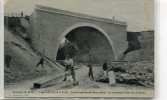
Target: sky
(139, 14)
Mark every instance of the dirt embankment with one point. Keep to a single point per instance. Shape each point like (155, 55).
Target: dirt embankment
(23, 59)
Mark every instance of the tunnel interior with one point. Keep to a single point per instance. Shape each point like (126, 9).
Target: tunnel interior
(86, 44)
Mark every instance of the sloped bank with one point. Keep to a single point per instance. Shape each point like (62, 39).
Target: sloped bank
(23, 59)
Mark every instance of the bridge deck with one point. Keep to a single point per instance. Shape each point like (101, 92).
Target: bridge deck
(74, 14)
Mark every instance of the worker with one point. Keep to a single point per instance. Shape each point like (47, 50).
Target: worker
(22, 14)
(69, 65)
(68, 62)
(90, 73)
(73, 72)
(105, 69)
(40, 63)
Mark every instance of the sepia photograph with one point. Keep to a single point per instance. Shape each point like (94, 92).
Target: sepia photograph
(79, 48)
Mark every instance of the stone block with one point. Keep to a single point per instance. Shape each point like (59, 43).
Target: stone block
(111, 78)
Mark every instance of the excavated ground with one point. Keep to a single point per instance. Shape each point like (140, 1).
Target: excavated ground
(22, 72)
(23, 60)
(22, 69)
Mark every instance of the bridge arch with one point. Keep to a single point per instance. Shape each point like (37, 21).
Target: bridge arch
(79, 25)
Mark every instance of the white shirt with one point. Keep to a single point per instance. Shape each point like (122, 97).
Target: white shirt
(68, 62)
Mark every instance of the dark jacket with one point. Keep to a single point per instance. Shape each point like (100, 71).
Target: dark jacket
(41, 61)
(90, 68)
(105, 66)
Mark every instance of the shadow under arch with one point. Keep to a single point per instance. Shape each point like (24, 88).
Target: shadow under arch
(68, 30)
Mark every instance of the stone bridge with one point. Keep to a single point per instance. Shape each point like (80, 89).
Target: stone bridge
(104, 39)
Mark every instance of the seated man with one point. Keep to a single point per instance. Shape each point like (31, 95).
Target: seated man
(69, 65)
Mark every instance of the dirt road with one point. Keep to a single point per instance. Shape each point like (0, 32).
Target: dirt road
(81, 75)
(84, 83)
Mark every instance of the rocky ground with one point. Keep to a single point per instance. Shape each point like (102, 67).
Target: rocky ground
(85, 84)
(132, 73)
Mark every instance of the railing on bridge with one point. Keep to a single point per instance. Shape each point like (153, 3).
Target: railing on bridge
(12, 15)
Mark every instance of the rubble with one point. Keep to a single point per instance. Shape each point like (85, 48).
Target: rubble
(104, 80)
(134, 73)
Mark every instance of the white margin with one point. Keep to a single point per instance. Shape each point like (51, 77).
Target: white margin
(162, 50)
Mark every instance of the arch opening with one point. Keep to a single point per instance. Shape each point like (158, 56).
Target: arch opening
(83, 41)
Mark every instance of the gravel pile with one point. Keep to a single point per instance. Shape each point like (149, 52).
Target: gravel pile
(139, 73)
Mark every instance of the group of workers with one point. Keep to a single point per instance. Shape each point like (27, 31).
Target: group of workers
(69, 66)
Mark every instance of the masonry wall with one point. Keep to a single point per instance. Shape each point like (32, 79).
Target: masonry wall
(47, 28)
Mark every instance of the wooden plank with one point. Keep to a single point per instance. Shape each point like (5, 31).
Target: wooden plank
(48, 81)
(51, 80)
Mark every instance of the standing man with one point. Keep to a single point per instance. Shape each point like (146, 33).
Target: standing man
(90, 73)
(73, 73)
(105, 69)
(22, 14)
(69, 66)
(40, 63)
